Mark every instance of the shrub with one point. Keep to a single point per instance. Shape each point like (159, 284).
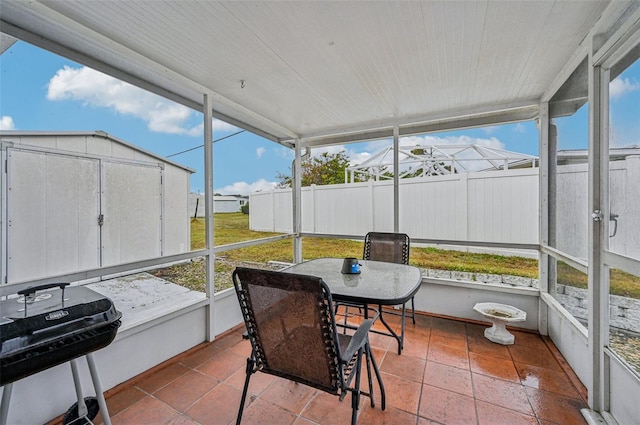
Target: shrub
(245, 208)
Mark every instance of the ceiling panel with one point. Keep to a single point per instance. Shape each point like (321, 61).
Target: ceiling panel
(316, 68)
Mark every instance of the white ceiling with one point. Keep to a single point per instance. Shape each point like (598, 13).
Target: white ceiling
(320, 69)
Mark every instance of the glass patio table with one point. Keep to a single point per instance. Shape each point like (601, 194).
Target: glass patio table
(379, 283)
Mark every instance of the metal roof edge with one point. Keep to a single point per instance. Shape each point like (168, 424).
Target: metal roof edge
(97, 133)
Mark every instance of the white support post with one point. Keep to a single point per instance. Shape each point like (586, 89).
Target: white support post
(396, 179)
(598, 209)
(546, 191)
(208, 213)
(297, 203)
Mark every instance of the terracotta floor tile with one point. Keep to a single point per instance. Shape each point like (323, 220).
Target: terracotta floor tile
(493, 366)
(223, 365)
(186, 390)
(123, 399)
(527, 339)
(571, 375)
(451, 326)
(219, 406)
(482, 345)
(326, 409)
(378, 355)
(382, 342)
(539, 357)
(458, 341)
(435, 377)
(146, 411)
(416, 345)
(490, 414)
(258, 383)
(410, 368)
(288, 395)
(229, 340)
(242, 348)
(264, 413)
(448, 378)
(423, 321)
(162, 377)
(303, 421)
(555, 407)
(201, 356)
(448, 355)
(182, 420)
(401, 393)
(474, 330)
(446, 407)
(502, 393)
(423, 421)
(390, 416)
(546, 379)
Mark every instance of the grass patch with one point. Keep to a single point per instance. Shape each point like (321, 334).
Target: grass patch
(623, 284)
(234, 227)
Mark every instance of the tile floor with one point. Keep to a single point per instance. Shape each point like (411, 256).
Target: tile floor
(448, 373)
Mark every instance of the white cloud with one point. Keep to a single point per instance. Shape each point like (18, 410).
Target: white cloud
(621, 86)
(519, 128)
(6, 123)
(244, 188)
(102, 91)
(490, 129)
(260, 152)
(286, 153)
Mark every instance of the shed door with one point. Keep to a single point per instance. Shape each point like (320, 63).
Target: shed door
(52, 210)
(132, 212)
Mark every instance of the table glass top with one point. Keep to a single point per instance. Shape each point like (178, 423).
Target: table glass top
(378, 282)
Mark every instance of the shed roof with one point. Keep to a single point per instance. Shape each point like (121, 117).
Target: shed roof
(329, 72)
(97, 134)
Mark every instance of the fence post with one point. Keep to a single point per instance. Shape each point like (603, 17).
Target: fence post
(273, 210)
(464, 206)
(372, 215)
(313, 208)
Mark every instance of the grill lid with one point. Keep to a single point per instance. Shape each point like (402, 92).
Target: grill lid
(39, 318)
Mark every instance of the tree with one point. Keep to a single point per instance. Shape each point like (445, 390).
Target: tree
(326, 168)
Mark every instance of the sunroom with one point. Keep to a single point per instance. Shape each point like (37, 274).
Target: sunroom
(312, 74)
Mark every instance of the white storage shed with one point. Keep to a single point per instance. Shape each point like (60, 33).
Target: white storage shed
(221, 204)
(75, 201)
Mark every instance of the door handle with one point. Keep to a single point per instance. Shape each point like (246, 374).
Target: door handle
(614, 218)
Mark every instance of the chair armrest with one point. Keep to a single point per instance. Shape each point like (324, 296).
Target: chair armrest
(359, 338)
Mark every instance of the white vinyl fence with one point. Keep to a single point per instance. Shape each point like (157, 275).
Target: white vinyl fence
(499, 206)
(572, 211)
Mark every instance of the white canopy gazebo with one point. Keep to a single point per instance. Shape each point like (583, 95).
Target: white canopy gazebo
(435, 160)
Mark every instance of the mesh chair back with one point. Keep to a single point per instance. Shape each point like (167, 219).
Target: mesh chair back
(389, 247)
(291, 326)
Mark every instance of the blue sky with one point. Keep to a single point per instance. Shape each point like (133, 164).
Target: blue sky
(42, 91)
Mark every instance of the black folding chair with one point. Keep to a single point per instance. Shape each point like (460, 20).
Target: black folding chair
(291, 325)
(392, 248)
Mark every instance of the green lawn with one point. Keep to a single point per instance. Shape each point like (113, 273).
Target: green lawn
(235, 228)
(230, 228)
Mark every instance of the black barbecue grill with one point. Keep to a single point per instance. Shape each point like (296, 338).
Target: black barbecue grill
(41, 329)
